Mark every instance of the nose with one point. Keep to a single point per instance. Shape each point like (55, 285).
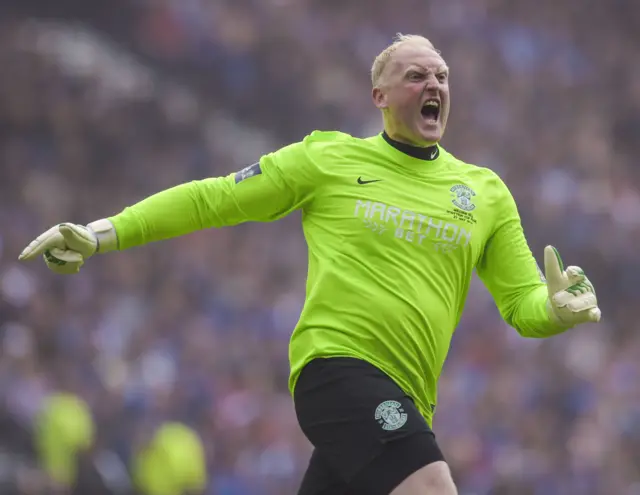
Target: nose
(432, 81)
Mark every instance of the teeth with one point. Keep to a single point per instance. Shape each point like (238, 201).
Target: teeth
(432, 103)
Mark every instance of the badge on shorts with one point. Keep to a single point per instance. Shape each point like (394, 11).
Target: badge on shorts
(390, 415)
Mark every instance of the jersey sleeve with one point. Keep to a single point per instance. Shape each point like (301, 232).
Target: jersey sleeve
(510, 272)
(278, 184)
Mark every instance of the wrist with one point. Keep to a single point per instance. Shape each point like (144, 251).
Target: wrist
(106, 235)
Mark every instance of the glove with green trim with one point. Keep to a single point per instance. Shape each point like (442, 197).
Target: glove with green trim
(572, 298)
(65, 247)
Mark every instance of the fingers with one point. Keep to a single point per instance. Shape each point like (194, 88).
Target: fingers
(553, 268)
(591, 316)
(63, 248)
(575, 275)
(63, 262)
(66, 268)
(582, 303)
(52, 238)
(577, 307)
(62, 256)
(594, 315)
(77, 238)
(583, 287)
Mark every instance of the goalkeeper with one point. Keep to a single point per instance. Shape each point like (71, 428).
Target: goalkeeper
(395, 226)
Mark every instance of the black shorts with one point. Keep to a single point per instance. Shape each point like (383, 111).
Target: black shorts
(368, 434)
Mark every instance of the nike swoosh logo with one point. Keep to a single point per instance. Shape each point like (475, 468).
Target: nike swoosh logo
(360, 181)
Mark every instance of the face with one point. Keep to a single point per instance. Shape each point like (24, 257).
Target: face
(413, 95)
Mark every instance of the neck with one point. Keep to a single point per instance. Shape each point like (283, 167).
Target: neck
(426, 152)
(398, 138)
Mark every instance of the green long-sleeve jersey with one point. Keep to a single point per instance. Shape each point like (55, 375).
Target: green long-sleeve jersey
(392, 239)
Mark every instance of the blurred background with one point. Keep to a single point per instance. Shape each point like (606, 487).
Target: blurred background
(163, 370)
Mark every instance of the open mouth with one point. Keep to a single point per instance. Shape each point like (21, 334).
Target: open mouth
(431, 110)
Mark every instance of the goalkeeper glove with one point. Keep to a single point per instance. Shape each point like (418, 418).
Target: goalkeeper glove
(66, 246)
(572, 298)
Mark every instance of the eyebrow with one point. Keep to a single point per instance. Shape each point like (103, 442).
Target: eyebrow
(439, 70)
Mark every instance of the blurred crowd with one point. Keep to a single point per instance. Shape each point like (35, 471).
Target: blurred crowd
(195, 330)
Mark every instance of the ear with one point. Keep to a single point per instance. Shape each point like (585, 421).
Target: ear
(379, 98)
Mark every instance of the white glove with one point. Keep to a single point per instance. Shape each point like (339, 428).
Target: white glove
(572, 298)
(66, 246)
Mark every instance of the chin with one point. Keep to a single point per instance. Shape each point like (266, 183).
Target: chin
(427, 133)
(430, 137)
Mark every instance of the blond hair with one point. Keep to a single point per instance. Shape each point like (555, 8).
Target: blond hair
(399, 40)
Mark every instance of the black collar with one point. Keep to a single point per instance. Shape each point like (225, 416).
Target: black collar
(430, 153)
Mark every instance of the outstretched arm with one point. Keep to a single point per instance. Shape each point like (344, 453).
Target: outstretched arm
(280, 183)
